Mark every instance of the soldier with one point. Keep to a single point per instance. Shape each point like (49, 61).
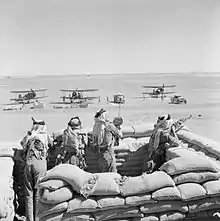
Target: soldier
(104, 136)
(163, 137)
(35, 145)
(74, 142)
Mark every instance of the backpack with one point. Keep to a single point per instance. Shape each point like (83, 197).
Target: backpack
(36, 147)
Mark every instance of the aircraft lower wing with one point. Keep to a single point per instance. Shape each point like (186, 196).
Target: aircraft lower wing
(83, 99)
(26, 99)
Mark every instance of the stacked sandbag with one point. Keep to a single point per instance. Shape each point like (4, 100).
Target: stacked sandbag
(129, 156)
(201, 144)
(6, 185)
(68, 193)
(197, 179)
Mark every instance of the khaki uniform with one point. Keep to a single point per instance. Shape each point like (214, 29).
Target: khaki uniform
(106, 159)
(73, 146)
(158, 156)
(36, 164)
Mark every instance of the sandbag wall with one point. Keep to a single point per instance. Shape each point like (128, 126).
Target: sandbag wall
(200, 144)
(185, 187)
(130, 154)
(6, 185)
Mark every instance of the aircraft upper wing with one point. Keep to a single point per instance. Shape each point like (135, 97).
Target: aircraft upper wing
(79, 90)
(26, 91)
(159, 86)
(151, 86)
(169, 86)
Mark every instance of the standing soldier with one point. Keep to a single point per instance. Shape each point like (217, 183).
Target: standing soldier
(163, 137)
(104, 136)
(35, 145)
(74, 142)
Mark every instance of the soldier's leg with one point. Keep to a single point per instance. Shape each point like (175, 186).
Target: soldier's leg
(39, 167)
(107, 162)
(28, 187)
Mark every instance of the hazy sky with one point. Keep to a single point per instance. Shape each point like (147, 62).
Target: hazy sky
(109, 36)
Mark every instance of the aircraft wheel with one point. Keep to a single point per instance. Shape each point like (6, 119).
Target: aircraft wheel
(185, 101)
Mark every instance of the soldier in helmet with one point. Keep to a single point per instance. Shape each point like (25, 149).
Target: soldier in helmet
(163, 137)
(74, 141)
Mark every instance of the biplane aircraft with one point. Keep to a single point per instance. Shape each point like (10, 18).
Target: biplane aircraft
(75, 98)
(119, 99)
(24, 97)
(158, 91)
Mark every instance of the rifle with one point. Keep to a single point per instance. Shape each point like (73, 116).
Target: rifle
(179, 124)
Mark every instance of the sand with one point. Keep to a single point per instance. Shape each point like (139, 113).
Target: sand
(202, 92)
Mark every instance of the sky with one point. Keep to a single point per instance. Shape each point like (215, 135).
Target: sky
(108, 36)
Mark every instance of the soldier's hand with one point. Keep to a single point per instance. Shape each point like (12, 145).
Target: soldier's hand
(118, 121)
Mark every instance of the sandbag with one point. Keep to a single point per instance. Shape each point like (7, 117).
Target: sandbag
(172, 216)
(167, 193)
(146, 183)
(198, 216)
(117, 213)
(111, 202)
(121, 161)
(204, 204)
(82, 205)
(149, 217)
(164, 206)
(67, 217)
(47, 209)
(183, 165)
(78, 217)
(180, 151)
(52, 184)
(80, 181)
(212, 187)
(195, 177)
(204, 143)
(52, 217)
(139, 199)
(57, 196)
(122, 155)
(6, 153)
(191, 191)
(3, 209)
(106, 184)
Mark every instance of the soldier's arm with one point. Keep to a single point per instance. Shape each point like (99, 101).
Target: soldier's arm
(117, 132)
(173, 141)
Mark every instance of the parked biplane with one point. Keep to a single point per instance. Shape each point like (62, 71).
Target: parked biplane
(119, 99)
(178, 99)
(26, 97)
(158, 91)
(75, 98)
